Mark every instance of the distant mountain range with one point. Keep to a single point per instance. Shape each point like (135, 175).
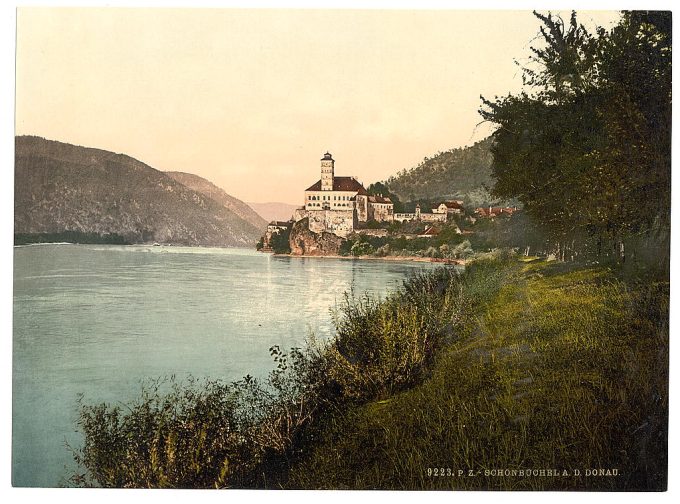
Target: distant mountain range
(462, 173)
(274, 211)
(60, 187)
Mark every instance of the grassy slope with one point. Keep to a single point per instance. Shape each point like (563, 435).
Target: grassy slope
(558, 370)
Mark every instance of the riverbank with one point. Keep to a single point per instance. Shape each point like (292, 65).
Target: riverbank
(473, 380)
(558, 381)
(457, 262)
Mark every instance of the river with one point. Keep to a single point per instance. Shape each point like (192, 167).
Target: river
(97, 320)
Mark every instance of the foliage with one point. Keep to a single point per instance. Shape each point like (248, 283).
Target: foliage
(202, 434)
(511, 364)
(447, 244)
(383, 347)
(346, 247)
(462, 250)
(260, 243)
(187, 437)
(280, 241)
(559, 368)
(586, 148)
(454, 173)
(361, 248)
(248, 433)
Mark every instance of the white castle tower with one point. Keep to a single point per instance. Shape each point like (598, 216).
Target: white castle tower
(327, 172)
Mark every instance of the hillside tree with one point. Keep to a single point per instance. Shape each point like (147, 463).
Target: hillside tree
(586, 146)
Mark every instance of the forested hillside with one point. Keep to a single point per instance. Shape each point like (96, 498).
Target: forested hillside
(461, 173)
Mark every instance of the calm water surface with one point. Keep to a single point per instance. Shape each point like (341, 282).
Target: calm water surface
(97, 320)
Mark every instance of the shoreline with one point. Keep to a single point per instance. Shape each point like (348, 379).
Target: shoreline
(447, 262)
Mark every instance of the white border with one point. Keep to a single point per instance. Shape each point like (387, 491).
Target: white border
(9, 494)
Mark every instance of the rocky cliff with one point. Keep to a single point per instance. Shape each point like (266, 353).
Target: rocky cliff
(305, 242)
(60, 187)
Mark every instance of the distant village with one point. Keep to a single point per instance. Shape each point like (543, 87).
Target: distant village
(341, 205)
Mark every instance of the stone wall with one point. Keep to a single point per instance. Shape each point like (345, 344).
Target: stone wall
(433, 217)
(362, 207)
(299, 214)
(372, 232)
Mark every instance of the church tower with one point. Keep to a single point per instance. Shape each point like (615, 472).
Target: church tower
(327, 172)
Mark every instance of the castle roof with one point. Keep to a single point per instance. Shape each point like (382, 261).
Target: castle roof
(453, 204)
(342, 184)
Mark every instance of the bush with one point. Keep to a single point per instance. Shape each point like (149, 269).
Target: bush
(204, 434)
(555, 367)
(188, 437)
(383, 250)
(432, 252)
(280, 241)
(361, 248)
(246, 433)
(463, 250)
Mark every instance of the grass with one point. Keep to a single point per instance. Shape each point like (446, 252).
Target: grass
(558, 370)
(514, 365)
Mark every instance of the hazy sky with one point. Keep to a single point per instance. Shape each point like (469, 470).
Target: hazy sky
(251, 99)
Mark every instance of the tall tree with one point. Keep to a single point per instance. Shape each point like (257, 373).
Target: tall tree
(586, 146)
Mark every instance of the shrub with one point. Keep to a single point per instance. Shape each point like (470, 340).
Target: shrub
(462, 250)
(205, 434)
(280, 241)
(361, 248)
(187, 437)
(383, 251)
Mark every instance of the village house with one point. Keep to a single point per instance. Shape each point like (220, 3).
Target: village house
(337, 204)
(491, 212)
(450, 207)
(439, 214)
(430, 232)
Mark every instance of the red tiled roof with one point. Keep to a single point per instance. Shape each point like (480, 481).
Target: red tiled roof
(453, 204)
(430, 231)
(495, 210)
(342, 184)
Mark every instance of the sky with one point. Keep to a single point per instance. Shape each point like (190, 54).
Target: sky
(251, 99)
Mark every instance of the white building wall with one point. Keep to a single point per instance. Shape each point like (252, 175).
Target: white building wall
(381, 212)
(433, 217)
(335, 200)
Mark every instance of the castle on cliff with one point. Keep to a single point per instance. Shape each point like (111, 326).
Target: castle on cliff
(338, 204)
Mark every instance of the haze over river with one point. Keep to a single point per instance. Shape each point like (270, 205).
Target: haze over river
(96, 320)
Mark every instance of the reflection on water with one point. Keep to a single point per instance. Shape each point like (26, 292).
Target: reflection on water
(98, 319)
